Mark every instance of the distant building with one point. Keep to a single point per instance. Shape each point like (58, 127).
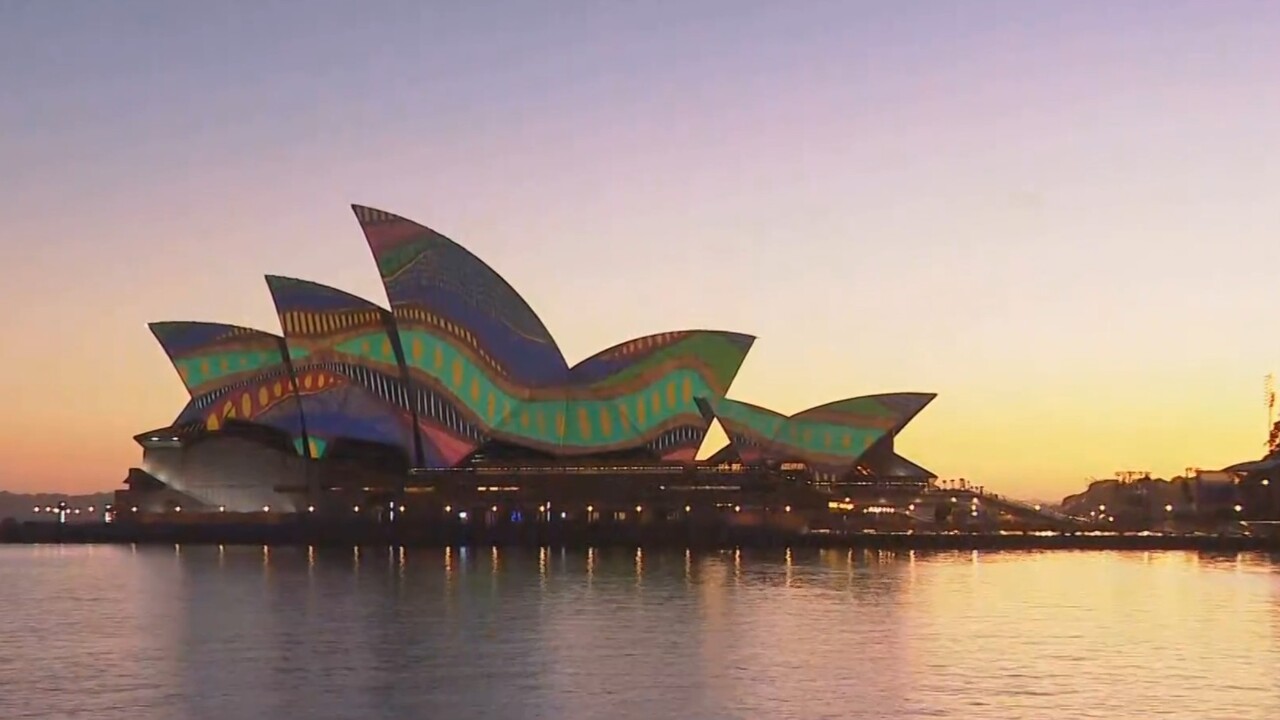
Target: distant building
(458, 394)
(1258, 488)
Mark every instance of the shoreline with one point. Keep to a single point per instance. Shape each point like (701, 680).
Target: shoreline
(657, 537)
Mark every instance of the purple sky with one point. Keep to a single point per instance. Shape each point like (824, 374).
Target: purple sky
(1060, 216)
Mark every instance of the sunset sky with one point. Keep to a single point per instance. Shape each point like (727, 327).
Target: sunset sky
(1062, 217)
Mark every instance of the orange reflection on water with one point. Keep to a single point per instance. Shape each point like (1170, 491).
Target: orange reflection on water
(798, 633)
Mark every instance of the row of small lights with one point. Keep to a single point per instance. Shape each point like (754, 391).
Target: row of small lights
(1169, 507)
(590, 508)
(911, 507)
(51, 509)
(447, 509)
(543, 508)
(546, 507)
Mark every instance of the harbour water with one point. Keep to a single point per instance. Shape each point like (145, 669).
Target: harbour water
(152, 633)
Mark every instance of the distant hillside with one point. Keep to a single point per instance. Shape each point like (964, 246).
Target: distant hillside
(18, 505)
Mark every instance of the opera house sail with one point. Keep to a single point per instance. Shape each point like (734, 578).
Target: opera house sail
(830, 440)
(243, 394)
(459, 375)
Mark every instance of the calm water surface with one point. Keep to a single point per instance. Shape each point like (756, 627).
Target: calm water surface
(243, 633)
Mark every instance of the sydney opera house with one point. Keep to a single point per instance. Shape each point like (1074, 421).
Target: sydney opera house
(457, 400)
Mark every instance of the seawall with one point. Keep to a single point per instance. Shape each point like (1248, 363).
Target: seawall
(657, 535)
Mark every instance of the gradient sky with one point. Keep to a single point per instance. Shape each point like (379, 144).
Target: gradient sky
(1059, 216)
